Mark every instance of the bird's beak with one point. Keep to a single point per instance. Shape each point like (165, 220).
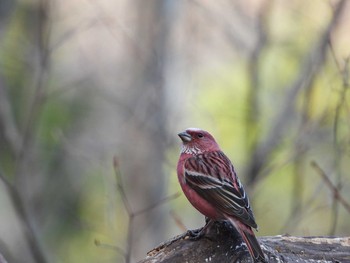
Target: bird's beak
(185, 137)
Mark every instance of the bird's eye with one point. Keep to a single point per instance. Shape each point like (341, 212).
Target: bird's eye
(200, 135)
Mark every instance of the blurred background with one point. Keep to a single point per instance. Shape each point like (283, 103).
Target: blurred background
(83, 81)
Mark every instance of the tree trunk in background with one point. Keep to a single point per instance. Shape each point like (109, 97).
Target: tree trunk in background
(145, 129)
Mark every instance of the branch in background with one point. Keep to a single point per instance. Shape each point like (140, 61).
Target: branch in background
(342, 97)
(155, 205)
(337, 144)
(131, 214)
(335, 191)
(120, 186)
(22, 215)
(21, 144)
(2, 259)
(299, 158)
(5, 253)
(108, 246)
(253, 109)
(7, 121)
(298, 182)
(311, 65)
(71, 33)
(133, 45)
(178, 221)
(5, 181)
(38, 99)
(231, 32)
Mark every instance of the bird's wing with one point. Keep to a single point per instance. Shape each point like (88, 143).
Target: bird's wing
(212, 176)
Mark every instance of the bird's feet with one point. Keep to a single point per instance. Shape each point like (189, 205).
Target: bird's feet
(201, 232)
(195, 234)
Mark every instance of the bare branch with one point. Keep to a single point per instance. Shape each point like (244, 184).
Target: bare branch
(120, 186)
(38, 99)
(104, 18)
(22, 214)
(253, 109)
(308, 71)
(160, 202)
(336, 193)
(133, 214)
(178, 221)
(20, 142)
(108, 246)
(7, 120)
(2, 259)
(344, 72)
(338, 145)
(72, 33)
(5, 181)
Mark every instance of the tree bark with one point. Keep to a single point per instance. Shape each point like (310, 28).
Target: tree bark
(223, 244)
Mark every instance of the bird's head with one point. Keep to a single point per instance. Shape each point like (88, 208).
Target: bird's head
(196, 141)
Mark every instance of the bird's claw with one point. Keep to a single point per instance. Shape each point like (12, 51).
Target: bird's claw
(194, 234)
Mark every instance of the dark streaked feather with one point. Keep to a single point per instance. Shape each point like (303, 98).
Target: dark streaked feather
(213, 177)
(251, 241)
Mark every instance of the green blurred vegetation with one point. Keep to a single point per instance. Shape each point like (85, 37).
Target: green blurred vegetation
(319, 133)
(70, 98)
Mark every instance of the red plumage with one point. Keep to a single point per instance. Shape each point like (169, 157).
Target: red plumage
(209, 181)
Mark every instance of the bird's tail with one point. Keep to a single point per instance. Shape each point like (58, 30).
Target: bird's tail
(250, 240)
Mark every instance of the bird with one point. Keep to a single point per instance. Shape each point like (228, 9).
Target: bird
(210, 183)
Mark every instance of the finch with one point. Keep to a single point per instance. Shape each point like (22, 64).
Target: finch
(209, 181)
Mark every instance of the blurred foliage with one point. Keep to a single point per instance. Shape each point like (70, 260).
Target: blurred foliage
(87, 111)
(223, 105)
(44, 182)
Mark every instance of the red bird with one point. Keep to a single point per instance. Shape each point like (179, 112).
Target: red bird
(209, 181)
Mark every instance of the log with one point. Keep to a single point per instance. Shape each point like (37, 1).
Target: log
(224, 244)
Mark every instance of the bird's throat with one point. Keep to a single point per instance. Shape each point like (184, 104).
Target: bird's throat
(193, 150)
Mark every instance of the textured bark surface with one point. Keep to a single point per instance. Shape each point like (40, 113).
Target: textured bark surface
(223, 244)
